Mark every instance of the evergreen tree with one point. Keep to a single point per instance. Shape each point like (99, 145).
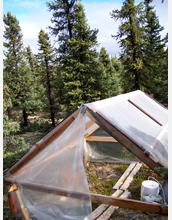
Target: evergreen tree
(17, 74)
(63, 19)
(155, 56)
(130, 39)
(30, 57)
(111, 81)
(46, 57)
(32, 61)
(116, 77)
(81, 74)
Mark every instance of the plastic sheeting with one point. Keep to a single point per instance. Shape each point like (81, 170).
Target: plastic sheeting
(59, 165)
(138, 125)
(112, 152)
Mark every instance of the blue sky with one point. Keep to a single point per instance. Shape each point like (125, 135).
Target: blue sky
(34, 15)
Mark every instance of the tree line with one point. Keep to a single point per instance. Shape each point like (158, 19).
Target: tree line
(62, 77)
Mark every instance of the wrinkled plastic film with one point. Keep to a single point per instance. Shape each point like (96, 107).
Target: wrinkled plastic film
(59, 165)
(142, 124)
(111, 152)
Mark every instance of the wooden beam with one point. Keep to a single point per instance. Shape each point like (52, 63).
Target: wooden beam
(46, 140)
(122, 138)
(109, 200)
(89, 124)
(14, 206)
(14, 209)
(106, 215)
(100, 138)
(93, 128)
(145, 112)
(99, 210)
(125, 174)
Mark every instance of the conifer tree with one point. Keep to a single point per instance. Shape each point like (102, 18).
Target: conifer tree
(46, 58)
(32, 61)
(111, 81)
(130, 40)
(62, 20)
(82, 76)
(155, 56)
(17, 74)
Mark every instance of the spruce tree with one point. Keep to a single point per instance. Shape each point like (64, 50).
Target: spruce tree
(17, 74)
(155, 56)
(62, 20)
(46, 58)
(81, 74)
(111, 81)
(130, 40)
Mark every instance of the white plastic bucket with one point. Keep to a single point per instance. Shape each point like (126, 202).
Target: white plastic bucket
(149, 187)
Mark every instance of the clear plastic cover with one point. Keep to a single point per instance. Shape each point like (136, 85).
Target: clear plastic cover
(59, 165)
(141, 118)
(108, 151)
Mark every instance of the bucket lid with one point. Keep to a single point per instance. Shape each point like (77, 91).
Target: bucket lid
(150, 184)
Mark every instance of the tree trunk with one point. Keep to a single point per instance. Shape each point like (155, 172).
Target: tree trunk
(50, 95)
(25, 118)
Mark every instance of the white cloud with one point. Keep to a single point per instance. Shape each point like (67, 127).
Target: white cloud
(36, 16)
(98, 16)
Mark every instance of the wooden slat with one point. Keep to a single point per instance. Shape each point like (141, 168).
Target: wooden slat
(89, 124)
(145, 112)
(106, 215)
(125, 174)
(111, 209)
(122, 138)
(98, 211)
(130, 204)
(40, 145)
(100, 138)
(130, 177)
(91, 129)
(109, 200)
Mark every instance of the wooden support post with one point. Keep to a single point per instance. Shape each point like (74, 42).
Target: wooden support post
(122, 138)
(13, 203)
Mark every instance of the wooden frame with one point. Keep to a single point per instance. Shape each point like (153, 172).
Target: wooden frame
(109, 200)
(116, 135)
(123, 139)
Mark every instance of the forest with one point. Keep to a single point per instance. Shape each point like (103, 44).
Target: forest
(41, 89)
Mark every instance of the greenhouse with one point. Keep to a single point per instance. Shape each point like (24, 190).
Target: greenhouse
(49, 182)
